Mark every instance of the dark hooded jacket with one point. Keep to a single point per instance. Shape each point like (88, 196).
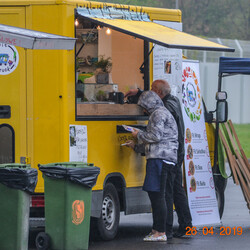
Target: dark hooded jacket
(172, 103)
(161, 136)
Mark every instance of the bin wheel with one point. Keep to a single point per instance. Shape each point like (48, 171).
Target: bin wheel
(108, 224)
(42, 241)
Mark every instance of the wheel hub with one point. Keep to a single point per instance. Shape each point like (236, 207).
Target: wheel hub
(108, 212)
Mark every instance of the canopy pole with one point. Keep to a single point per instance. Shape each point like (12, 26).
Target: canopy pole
(217, 127)
(146, 61)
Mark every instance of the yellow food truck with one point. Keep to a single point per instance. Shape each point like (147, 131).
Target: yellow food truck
(60, 105)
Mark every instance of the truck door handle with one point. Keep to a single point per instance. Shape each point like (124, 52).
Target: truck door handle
(5, 111)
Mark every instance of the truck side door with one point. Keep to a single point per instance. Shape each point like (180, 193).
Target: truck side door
(13, 100)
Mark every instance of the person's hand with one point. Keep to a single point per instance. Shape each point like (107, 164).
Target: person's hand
(134, 132)
(130, 144)
(131, 92)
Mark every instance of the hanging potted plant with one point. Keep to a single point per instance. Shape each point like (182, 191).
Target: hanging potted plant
(103, 68)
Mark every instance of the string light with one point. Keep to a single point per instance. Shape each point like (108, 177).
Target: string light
(108, 31)
(76, 22)
(98, 27)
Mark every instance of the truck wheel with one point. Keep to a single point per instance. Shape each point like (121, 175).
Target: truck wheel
(108, 224)
(42, 241)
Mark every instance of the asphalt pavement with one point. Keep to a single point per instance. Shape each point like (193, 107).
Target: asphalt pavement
(236, 216)
(134, 227)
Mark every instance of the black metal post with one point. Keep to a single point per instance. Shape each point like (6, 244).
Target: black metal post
(146, 66)
(217, 127)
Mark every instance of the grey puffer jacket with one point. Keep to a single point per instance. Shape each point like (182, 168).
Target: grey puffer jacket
(161, 136)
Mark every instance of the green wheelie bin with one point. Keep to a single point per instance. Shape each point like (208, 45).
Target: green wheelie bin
(68, 194)
(17, 181)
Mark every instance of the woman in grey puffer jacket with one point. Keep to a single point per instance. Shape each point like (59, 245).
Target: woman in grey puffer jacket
(161, 137)
(160, 144)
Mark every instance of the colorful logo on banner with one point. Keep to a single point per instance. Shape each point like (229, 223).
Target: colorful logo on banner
(9, 58)
(191, 96)
(77, 212)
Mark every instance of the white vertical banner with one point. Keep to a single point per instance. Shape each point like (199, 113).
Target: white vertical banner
(200, 184)
(167, 66)
(167, 63)
(78, 143)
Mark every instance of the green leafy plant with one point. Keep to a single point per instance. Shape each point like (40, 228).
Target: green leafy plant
(104, 64)
(101, 95)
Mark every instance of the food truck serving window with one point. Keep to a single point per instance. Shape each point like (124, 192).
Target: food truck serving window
(110, 50)
(107, 66)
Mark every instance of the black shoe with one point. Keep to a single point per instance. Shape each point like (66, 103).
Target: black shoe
(169, 236)
(181, 232)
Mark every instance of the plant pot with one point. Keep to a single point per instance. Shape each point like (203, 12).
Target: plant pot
(102, 78)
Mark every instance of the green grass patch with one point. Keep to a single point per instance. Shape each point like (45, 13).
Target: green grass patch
(243, 133)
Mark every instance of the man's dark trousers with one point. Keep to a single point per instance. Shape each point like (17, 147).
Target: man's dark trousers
(180, 201)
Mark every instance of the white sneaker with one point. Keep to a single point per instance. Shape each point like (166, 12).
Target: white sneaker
(151, 237)
(148, 235)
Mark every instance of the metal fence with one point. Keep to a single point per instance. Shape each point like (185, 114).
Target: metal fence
(237, 87)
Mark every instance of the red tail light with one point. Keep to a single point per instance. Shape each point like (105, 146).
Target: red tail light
(37, 201)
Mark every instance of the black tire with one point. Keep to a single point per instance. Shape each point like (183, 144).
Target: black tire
(108, 224)
(42, 241)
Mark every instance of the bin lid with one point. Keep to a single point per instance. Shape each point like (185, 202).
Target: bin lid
(14, 165)
(18, 176)
(69, 164)
(78, 172)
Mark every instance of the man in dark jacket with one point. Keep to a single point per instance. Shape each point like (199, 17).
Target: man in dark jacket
(162, 88)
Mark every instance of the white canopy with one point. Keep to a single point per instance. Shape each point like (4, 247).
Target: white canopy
(30, 39)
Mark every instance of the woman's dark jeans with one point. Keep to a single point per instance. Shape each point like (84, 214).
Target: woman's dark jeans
(162, 202)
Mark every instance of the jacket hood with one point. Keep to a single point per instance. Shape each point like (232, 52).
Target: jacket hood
(150, 101)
